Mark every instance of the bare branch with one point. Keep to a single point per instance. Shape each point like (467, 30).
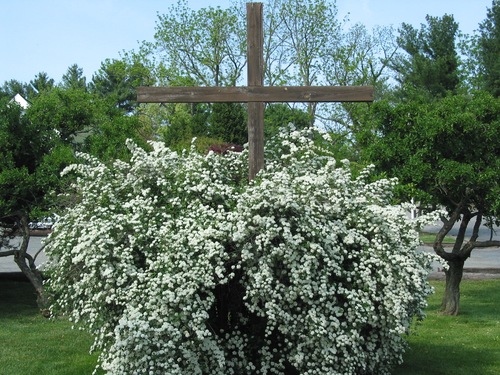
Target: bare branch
(483, 244)
(8, 253)
(39, 251)
(448, 224)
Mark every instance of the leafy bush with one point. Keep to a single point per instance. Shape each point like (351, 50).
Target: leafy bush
(177, 265)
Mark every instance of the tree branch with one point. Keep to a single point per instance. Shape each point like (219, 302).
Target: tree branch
(447, 226)
(8, 253)
(39, 251)
(466, 217)
(485, 244)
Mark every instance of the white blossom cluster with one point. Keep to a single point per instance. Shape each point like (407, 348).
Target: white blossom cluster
(177, 265)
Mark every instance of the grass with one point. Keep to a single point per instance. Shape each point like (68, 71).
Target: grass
(443, 345)
(32, 344)
(462, 345)
(429, 238)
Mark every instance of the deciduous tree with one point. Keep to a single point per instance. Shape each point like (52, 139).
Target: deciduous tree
(445, 154)
(207, 46)
(31, 158)
(106, 139)
(68, 111)
(302, 39)
(360, 57)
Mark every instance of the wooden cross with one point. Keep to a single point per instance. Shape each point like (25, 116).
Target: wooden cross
(255, 94)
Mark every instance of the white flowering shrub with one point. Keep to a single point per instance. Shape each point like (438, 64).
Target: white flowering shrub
(177, 265)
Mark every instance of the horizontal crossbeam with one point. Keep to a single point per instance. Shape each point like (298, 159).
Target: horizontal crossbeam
(246, 94)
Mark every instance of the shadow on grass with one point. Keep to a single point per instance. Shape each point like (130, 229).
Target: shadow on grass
(443, 359)
(443, 345)
(17, 296)
(34, 344)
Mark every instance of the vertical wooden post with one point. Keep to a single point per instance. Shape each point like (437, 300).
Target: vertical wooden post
(254, 94)
(255, 70)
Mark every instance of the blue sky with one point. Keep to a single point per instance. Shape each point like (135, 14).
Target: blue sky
(50, 35)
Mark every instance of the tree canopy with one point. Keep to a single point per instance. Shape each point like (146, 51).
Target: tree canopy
(489, 49)
(117, 80)
(74, 78)
(430, 62)
(24, 148)
(445, 154)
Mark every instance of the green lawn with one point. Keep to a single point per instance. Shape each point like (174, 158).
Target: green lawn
(32, 344)
(463, 345)
(429, 238)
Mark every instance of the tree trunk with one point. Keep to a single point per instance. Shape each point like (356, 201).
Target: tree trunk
(27, 266)
(36, 279)
(451, 298)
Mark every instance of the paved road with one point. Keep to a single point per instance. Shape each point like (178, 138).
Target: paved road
(480, 258)
(484, 232)
(7, 264)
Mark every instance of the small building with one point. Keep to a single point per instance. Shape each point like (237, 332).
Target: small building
(23, 103)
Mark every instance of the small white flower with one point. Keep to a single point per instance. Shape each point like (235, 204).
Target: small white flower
(153, 247)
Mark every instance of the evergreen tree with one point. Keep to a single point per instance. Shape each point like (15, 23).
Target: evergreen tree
(430, 62)
(41, 83)
(489, 50)
(74, 78)
(228, 123)
(12, 87)
(118, 80)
